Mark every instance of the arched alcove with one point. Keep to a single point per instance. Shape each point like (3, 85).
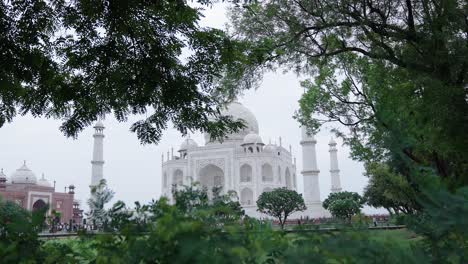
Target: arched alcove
(39, 204)
(247, 197)
(210, 176)
(267, 173)
(178, 177)
(165, 179)
(246, 173)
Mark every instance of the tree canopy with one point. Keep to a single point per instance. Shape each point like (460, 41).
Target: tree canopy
(80, 60)
(100, 196)
(280, 204)
(390, 190)
(393, 72)
(344, 204)
(18, 231)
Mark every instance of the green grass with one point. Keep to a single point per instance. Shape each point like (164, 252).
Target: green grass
(404, 236)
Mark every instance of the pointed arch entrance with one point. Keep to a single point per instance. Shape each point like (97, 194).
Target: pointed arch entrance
(211, 176)
(247, 197)
(39, 204)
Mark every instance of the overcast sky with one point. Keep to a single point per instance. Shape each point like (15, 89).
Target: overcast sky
(133, 171)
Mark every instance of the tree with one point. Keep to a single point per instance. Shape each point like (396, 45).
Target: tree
(226, 207)
(382, 69)
(81, 60)
(100, 196)
(389, 190)
(280, 203)
(188, 198)
(344, 204)
(403, 33)
(19, 230)
(194, 201)
(392, 72)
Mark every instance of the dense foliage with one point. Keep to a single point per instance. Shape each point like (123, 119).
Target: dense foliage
(344, 204)
(392, 75)
(164, 233)
(393, 72)
(100, 196)
(18, 232)
(280, 203)
(79, 60)
(390, 190)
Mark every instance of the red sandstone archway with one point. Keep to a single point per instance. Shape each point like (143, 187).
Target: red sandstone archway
(39, 204)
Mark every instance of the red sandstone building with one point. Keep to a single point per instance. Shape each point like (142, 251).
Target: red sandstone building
(24, 189)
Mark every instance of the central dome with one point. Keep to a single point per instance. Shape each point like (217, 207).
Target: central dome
(23, 175)
(188, 144)
(238, 112)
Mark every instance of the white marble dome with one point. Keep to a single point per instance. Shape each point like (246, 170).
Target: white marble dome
(99, 124)
(188, 144)
(237, 111)
(43, 182)
(23, 175)
(270, 148)
(252, 138)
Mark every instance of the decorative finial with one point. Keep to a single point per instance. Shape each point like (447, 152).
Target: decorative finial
(24, 162)
(42, 177)
(280, 142)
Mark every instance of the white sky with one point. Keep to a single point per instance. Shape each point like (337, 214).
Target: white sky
(133, 171)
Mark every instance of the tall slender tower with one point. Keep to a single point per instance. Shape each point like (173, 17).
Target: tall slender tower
(310, 171)
(97, 163)
(334, 171)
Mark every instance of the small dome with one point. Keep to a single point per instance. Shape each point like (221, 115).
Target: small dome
(43, 182)
(252, 138)
(270, 148)
(23, 175)
(99, 124)
(188, 144)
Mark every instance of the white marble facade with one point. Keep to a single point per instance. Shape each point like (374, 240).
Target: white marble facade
(242, 162)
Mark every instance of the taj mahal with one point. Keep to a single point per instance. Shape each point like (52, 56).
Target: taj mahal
(242, 162)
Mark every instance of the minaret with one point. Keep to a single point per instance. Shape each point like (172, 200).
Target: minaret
(310, 171)
(97, 173)
(334, 171)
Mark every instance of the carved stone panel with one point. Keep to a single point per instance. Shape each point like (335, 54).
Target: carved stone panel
(217, 162)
